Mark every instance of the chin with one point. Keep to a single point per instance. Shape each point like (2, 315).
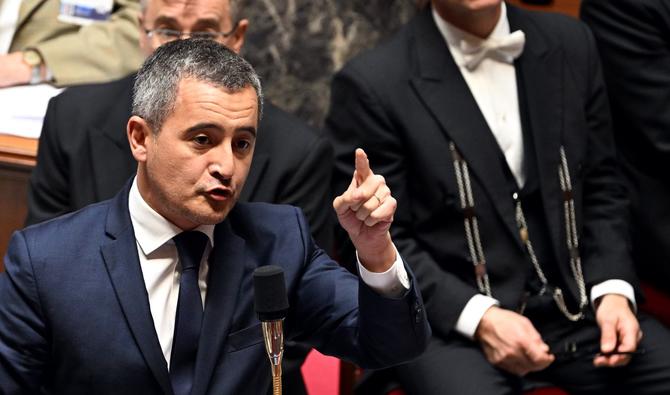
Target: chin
(213, 218)
(478, 5)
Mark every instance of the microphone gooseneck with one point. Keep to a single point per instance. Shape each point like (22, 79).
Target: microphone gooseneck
(271, 305)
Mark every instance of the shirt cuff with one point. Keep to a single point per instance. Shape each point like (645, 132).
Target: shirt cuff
(472, 313)
(392, 283)
(619, 287)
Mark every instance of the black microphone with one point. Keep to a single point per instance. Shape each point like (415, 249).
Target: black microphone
(271, 304)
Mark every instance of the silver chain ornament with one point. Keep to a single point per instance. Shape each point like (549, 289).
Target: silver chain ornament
(477, 252)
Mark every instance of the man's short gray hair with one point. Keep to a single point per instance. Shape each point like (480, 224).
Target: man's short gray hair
(157, 82)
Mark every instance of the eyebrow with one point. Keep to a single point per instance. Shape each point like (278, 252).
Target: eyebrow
(165, 20)
(206, 23)
(209, 126)
(199, 24)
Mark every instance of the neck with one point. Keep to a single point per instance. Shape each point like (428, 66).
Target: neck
(479, 23)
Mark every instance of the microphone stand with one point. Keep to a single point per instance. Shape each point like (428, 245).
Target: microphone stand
(271, 305)
(273, 334)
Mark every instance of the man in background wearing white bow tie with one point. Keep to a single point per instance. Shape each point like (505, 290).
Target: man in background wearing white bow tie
(492, 126)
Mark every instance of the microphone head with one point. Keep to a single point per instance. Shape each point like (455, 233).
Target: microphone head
(270, 300)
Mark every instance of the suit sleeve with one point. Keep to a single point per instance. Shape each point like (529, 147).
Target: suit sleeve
(358, 119)
(633, 37)
(340, 315)
(604, 241)
(23, 347)
(97, 52)
(48, 195)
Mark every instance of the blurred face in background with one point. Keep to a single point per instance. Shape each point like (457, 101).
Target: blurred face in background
(477, 17)
(460, 6)
(166, 20)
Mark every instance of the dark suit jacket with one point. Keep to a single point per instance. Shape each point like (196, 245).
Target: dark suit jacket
(404, 101)
(84, 157)
(633, 37)
(75, 316)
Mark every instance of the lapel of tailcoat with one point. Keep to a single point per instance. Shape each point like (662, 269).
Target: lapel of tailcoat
(441, 87)
(540, 78)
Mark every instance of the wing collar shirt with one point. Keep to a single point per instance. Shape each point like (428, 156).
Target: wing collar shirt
(159, 264)
(492, 82)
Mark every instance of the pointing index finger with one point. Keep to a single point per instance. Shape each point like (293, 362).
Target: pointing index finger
(363, 170)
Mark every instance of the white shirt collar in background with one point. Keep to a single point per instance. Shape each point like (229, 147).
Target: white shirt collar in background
(494, 88)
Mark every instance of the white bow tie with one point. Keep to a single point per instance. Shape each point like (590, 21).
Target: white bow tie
(505, 49)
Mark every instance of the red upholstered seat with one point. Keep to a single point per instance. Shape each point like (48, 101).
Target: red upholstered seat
(322, 377)
(547, 391)
(541, 391)
(657, 304)
(321, 374)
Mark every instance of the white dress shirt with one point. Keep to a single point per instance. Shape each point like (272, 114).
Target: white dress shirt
(494, 87)
(9, 17)
(159, 262)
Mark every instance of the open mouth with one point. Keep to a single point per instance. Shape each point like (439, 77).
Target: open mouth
(220, 193)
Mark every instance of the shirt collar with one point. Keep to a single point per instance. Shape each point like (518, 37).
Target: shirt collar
(152, 230)
(455, 36)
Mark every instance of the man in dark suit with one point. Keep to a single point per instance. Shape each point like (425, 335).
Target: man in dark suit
(109, 299)
(84, 157)
(491, 125)
(83, 154)
(633, 38)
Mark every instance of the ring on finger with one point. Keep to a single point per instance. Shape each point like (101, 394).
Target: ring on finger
(379, 200)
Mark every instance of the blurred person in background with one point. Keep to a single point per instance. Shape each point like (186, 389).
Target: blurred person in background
(66, 42)
(491, 125)
(633, 38)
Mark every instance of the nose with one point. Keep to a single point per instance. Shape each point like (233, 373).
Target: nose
(222, 164)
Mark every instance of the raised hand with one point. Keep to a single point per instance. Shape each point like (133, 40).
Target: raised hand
(365, 210)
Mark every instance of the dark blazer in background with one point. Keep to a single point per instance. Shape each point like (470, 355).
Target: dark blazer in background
(75, 316)
(84, 157)
(404, 101)
(633, 37)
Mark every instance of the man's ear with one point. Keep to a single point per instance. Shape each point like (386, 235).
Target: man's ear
(139, 132)
(237, 39)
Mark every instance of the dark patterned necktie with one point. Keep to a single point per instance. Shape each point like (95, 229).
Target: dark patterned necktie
(190, 246)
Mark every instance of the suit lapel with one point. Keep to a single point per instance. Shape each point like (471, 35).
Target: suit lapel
(111, 160)
(544, 109)
(443, 90)
(28, 7)
(120, 256)
(226, 266)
